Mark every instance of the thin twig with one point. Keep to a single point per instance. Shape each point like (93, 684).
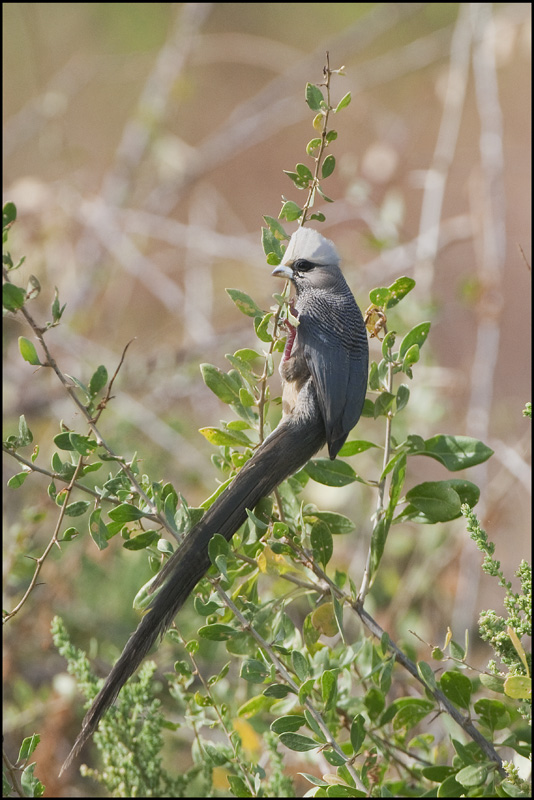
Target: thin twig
(53, 541)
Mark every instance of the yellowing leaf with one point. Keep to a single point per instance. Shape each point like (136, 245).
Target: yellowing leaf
(518, 647)
(324, 619)
(518, 686)
(271, 563)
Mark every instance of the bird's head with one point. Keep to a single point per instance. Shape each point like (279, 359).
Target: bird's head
(309, 260)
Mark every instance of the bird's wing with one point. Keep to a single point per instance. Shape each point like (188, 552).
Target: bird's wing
(340, 379)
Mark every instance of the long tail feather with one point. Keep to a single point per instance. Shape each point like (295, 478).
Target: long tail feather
(286, 450)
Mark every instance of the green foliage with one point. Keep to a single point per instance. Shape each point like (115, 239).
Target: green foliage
(505, 634)
(130, 736)
(326, 686)
(19, 777)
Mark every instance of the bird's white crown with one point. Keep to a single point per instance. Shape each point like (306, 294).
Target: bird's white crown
(310, 245)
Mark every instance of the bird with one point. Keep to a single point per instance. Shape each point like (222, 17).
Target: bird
(324, 370)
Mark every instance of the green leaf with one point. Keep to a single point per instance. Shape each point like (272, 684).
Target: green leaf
(83, 445)
(337, 523)
(300, 665)
(28, 351)
(473, 775)
(218, 546)
(437, 774)
(403, 395)
(17, 480)
(12, 297)
(492, 682)
(278, 690)
(329, 688)
(324, 196)
(321, 542)
(217, 632)
(31, 786)
(355, 446)
(387, 297)
(314, 97)
(271, 246)
(463, 752)
(290, 211)
(378, 541)
(238, 787)
(457, 688)
(374, 701)
(142, 540)
(125, 513)
(313, 779)
(288, 723)
(451, 788)
(97, 529)
(383, 404)
(246, 399)
(28, 744)
(411, 358)
(222, 438)
(244, 303)
(427, 674)
(220, 383)
(357, 733)
(25, 435)
(254, 671)
(417, 336)
(410, 715)
(307, 687)
(261, 327)
(298, 742)
(519, 687)
(98, 380)
(77, 508)
(9, 215)
(312, 145)
(434, 501)
(276, 229)
(331, 473)
(454, 452)
(343, 103)
(304, 172)
(492, 713)
(329, 166)
(57, 310)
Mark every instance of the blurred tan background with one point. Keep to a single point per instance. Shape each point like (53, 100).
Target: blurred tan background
(142, 144)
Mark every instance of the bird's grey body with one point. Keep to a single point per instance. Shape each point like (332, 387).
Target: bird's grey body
(324, 372)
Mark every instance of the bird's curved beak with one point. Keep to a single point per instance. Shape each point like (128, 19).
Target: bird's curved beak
(283, 271)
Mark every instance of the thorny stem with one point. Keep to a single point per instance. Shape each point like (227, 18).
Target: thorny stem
(51, 362)
(55, 476)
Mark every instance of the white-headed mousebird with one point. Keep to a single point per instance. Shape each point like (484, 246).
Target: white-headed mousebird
(324, 373)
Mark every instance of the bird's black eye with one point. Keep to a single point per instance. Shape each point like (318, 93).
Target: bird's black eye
(301, 265)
